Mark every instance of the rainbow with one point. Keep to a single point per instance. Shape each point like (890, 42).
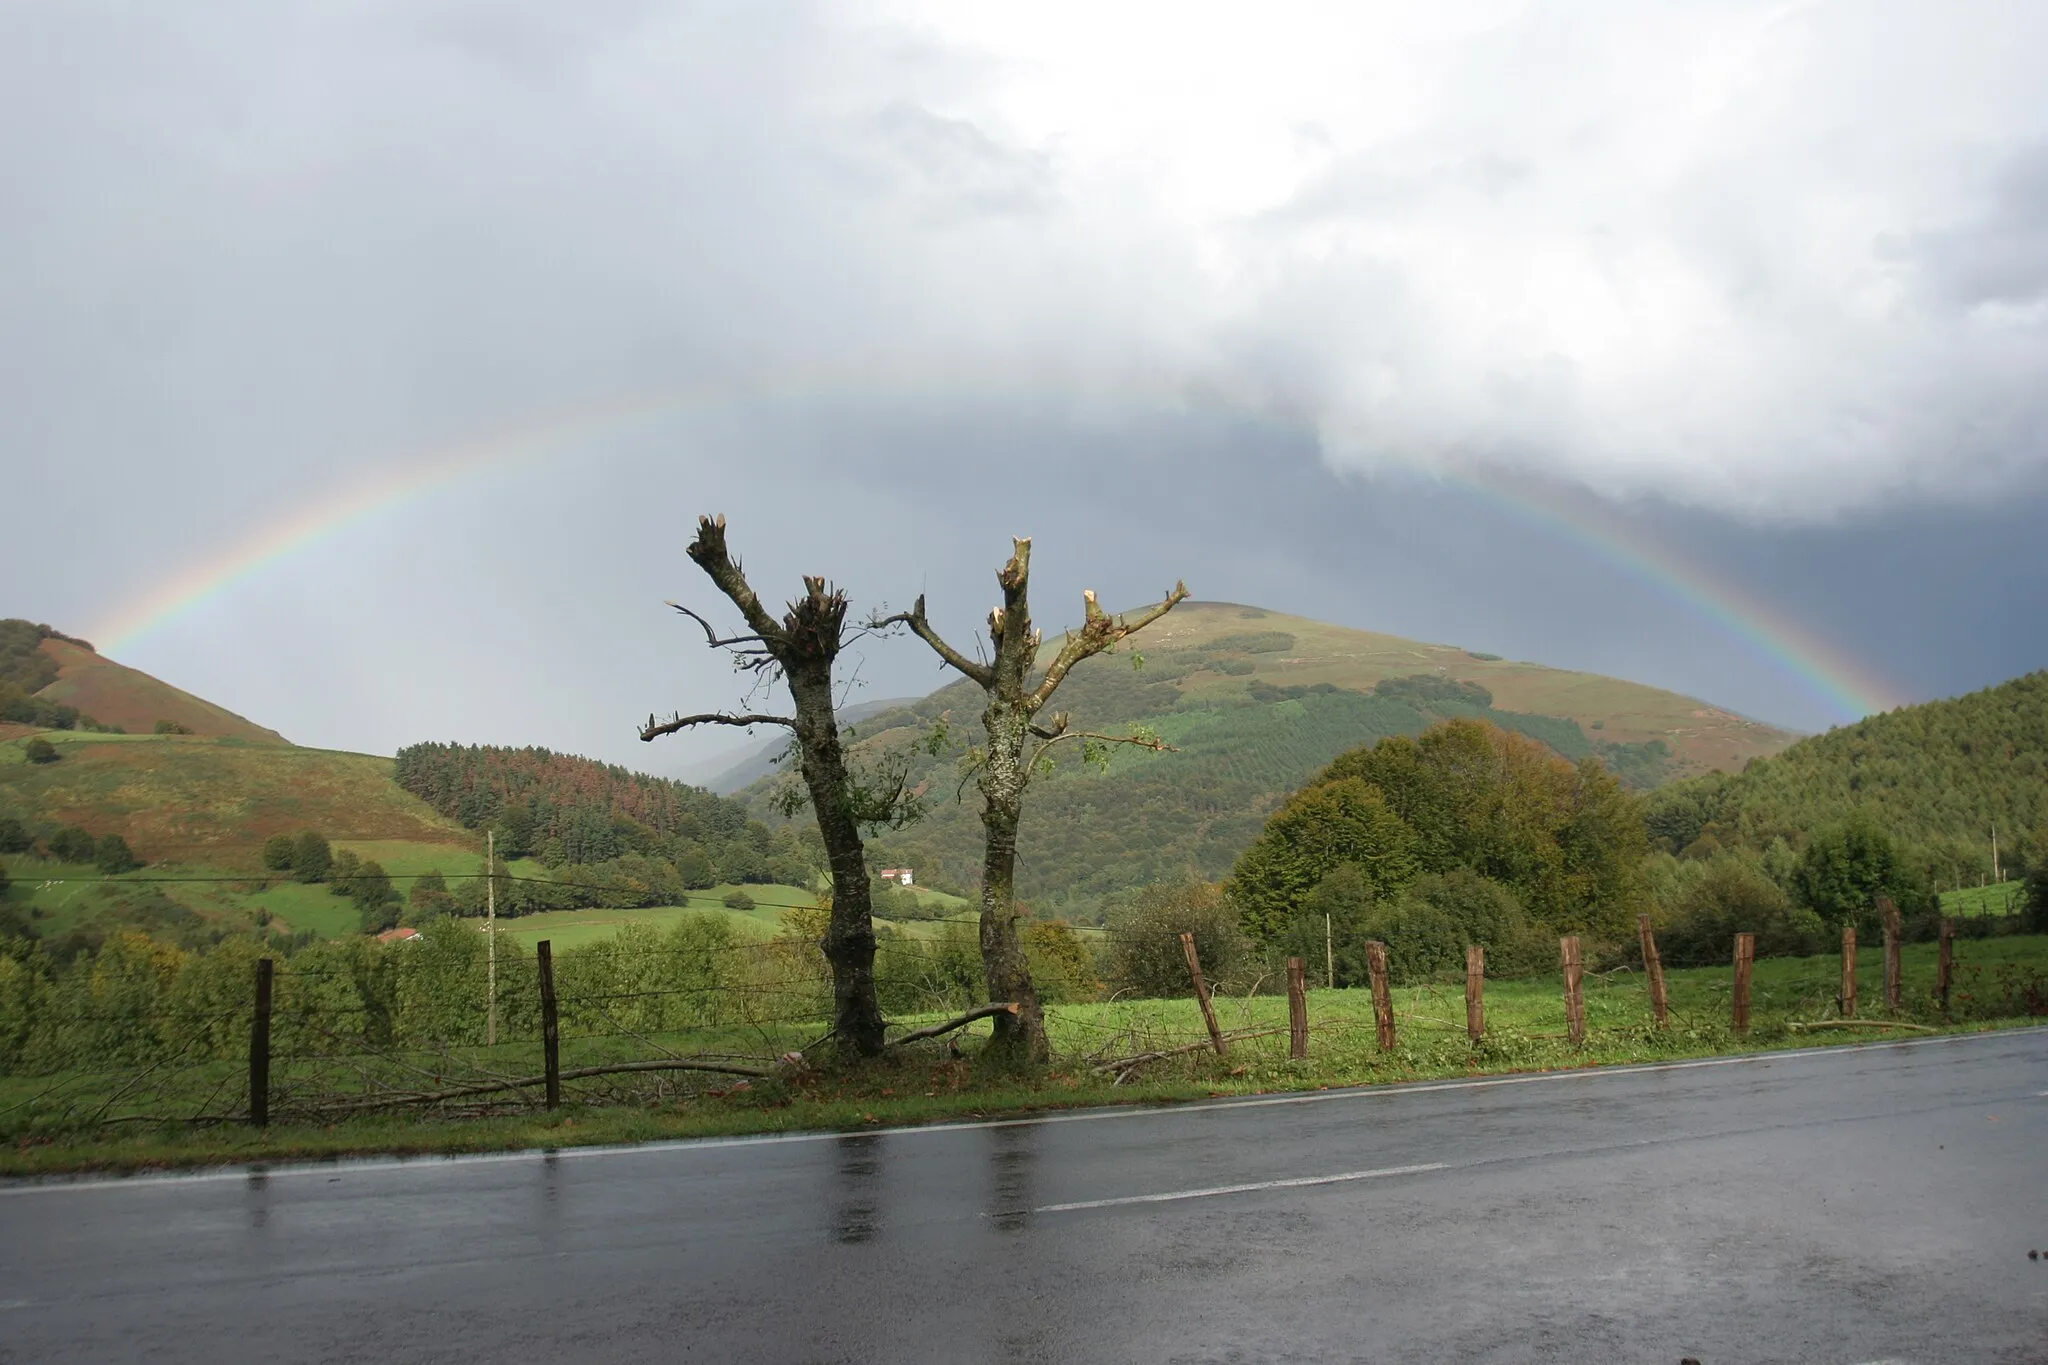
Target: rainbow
(1845, 686)
(170, 599)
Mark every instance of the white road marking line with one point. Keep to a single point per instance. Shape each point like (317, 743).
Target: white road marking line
(1295, 1183)
(382, 1165)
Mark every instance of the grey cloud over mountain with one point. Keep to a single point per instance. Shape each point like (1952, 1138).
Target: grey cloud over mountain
(1254, 295)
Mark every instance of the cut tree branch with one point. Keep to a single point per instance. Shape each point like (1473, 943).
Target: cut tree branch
(1098, 632)
(1124, 1065)
(711, 637)
(711, 555)
(654, 729)
(935, 1030)
(981, 673)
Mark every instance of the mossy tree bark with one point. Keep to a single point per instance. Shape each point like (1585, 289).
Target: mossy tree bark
(801, 649)
(1016, 749)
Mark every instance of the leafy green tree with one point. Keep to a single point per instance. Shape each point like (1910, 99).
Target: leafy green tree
(370, 888)
(14, 836)
(695, 869)
(40, 751)
(737, 899)
(1733, 895)
(72, 844)
(280, 851)
(428, 898)
(1318, 830)
(2037, 898)
(112, 856)
(341, 876)
(1844, 870)
(1564, 837)
(312, 859)
(171, 727)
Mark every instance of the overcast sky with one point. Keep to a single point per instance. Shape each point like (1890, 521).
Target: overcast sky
(1277, 299)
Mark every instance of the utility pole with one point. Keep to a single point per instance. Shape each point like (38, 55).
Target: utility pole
(1995, 877)
(1329, 956)
(491, 932)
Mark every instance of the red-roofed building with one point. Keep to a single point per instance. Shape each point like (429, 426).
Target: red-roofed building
(398, 936)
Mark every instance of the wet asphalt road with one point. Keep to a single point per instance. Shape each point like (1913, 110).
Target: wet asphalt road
(1874, 1204)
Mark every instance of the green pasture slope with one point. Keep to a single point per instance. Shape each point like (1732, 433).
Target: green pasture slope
(195, 801)
(2005, 898)
(569, 928)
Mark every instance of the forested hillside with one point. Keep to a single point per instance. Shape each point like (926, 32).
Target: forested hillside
(578, 812)
(1936, 778)
(1223, 691)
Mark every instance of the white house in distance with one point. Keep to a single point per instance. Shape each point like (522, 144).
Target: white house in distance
(896, 874)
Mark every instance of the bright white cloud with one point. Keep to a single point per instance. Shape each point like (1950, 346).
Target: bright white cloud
(1773, 258)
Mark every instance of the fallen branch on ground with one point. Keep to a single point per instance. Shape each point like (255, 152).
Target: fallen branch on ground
(526, 1082)
(1124, 1065)
(934, 1030)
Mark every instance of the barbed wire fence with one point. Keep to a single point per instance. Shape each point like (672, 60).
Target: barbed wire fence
(237, 1034)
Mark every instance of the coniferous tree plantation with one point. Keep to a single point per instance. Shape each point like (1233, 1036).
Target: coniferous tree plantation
(1935, 779)
(608, 832)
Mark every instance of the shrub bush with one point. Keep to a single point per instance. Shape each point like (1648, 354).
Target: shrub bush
(1145, 955)
(72, 845)
(40, 751)
(312, 859)
(278, 852)
(113, 857)
(737, 899)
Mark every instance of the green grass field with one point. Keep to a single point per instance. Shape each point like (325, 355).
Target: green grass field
(568, 928)
(2005, 898)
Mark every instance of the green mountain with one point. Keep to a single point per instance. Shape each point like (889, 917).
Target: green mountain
(1254, 703)
(1937, 777)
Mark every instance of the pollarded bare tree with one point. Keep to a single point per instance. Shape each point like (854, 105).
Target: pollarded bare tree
(1005, 768)
(800, 650)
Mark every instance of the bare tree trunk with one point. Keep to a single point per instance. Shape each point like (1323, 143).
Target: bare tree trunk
(802, 647)
(1007, 768)
(849, 944)
(1004, 966)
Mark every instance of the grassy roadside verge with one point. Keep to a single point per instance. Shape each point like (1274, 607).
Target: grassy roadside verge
(909, 1091)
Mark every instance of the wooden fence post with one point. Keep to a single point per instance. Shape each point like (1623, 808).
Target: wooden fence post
(1745, 957)
(1848, 996)
(1475, 992)
(1945, 963)
(1187, 945)
(1893, 933)
(550, 1025)
(1297, 1008)
(259, 1047)
(1382, 997)
(1653, 967)
(1574, 988)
